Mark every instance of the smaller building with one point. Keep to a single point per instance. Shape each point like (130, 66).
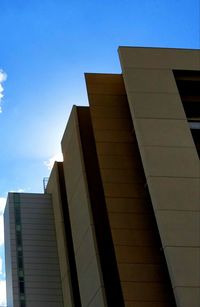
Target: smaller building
(32, 268)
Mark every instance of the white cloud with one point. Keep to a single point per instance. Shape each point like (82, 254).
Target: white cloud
(1, 266)
(2, 293)
(3, 77)
(57, 157)
(2, 206)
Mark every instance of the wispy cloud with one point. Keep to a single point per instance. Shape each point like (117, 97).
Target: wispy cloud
(1, 265)
(3, 77)
(2, 292)
(57, 157)
(2, 206)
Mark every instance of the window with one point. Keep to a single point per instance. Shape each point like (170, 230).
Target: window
(21, 287)
(188, 83)
(18, 227)
(19, 249)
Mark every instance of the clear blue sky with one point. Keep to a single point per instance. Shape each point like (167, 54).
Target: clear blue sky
(46, 46)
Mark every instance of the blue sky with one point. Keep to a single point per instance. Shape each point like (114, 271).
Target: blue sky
(46, 46)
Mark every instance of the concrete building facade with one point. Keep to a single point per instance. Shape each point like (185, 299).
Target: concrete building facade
(126, 199)
(153, 80)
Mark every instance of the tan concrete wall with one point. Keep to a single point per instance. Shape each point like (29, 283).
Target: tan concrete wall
(137, 250)
(53, 188)
(169, 158)
(86, 253)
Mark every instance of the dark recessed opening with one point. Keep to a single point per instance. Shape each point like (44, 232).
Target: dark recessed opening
(188, 83)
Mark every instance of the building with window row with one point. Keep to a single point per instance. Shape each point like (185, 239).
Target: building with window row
(124, 206)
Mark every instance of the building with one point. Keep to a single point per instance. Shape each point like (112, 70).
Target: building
(126, 199)
(32, 267)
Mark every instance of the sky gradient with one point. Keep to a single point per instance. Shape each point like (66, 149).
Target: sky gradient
(46, 46)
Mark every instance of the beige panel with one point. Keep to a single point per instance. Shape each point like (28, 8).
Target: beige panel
(90, 283)
(184, 265)
(118, 161)
(160, 58)
(149, 80)
(156, 105)
(141, 272)
(127, 205)
(117, 149)
(104, 83)
(162, 132)
(107, 100)
(107, 79)
(114, 136)
(79, 229)
(98, 300)
(170, 161)
(114, 112)
(141, 237)
(175, 193)
(53, 187)
(179, 228)
(122, 175)
(188, 296)
(145, 291)
(137, 254)
(80, 213)
(97, 88)
(62, 252)
(73, 160)
(70, 130)
(118, 124)
(66, 292)
(86, 251)
(146, 304)
(131, 221)
(73, 166)
(124, 190)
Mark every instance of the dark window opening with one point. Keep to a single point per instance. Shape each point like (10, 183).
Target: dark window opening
(21, 287)
(196, 138)
(19, 250)
(20, 262)
(188, 83)
(18, 240)
(19, 253)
